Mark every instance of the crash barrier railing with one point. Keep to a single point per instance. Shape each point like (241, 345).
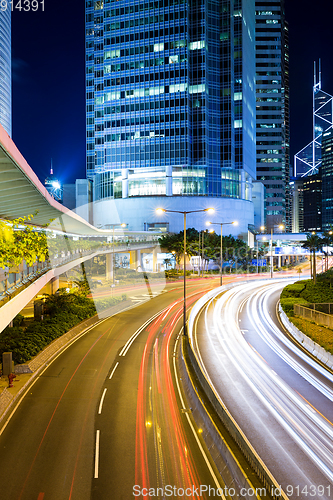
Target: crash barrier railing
(314, 312)
(15, 282)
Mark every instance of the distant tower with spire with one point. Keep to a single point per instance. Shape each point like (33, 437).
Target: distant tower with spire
(53, 185)
(308, 161)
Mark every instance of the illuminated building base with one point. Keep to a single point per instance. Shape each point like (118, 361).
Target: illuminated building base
(140, 213)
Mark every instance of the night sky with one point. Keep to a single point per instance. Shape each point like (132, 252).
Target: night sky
(48, 55)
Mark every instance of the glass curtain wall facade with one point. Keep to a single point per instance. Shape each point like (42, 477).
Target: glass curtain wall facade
(5, 71)
(170, 98)
(272, 92)
(327, 180)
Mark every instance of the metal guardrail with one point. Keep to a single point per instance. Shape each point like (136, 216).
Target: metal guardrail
(235, 431)
(43, 267)
(312, 314)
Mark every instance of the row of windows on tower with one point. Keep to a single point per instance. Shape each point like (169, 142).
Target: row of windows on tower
(149, 105)
(156, 4)
(142, 35)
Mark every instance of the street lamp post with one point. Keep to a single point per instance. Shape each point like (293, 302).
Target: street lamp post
(113, 226)
(221, 245)
(163, 210)
(281, 226)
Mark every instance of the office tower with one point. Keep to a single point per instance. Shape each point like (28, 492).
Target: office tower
(312, 200)
(327, 180)
(308, 160)
(296, 190)
(53, 186)
(5, 70)
(272, 90)
(170, 88)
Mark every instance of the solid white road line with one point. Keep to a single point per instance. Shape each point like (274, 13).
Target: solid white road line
(96, 455)
(101, 402)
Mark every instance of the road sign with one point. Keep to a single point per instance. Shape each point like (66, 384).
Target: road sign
(261, 262)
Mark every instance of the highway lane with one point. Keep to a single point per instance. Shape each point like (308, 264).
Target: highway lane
(50, 444)
(141, 418)
(283, 403)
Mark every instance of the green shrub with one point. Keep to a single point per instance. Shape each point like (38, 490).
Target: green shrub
(319, 292)
(293, 290)
(62, 312)
(287, 304)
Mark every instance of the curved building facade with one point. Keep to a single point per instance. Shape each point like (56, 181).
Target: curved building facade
(5, 71)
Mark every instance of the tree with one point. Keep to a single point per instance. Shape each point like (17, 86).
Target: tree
(234, 249)
(327, 240)
(19, 241)
(313, 243)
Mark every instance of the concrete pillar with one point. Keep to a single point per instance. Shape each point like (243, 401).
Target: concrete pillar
(133, 264)
(109, 266)
(54, 285)
(124, 180)
(168, 180)
(139, 259)
(155, 259)
(279, 261)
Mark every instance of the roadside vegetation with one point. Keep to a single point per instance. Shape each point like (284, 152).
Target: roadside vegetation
(310, 292)
(61, 312)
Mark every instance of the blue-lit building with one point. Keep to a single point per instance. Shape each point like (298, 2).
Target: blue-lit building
(272, 89)
(171, 111)
(5, 71)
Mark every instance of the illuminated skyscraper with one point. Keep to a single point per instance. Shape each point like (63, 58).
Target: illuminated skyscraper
(5, 70)
(170, 88)
(308, 160)
(272, 89)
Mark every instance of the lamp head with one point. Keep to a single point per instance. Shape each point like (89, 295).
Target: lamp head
(209, 210)
(281, 226)
(208, 223)
(160, 210)
(123, 224)
(262, 228)
(235, 223)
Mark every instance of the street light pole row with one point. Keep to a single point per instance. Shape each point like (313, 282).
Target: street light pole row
(163, 210)
(235, 223)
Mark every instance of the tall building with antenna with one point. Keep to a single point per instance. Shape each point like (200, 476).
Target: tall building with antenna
(53, 185)
(308, 160)
(5, 70)
(312, 175)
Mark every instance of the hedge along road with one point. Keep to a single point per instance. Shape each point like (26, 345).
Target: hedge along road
(49, 444)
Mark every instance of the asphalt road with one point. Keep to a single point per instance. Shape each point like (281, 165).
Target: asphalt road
(283, 402)
(106, 416)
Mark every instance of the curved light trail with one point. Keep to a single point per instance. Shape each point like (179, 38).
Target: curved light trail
(310, 429)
